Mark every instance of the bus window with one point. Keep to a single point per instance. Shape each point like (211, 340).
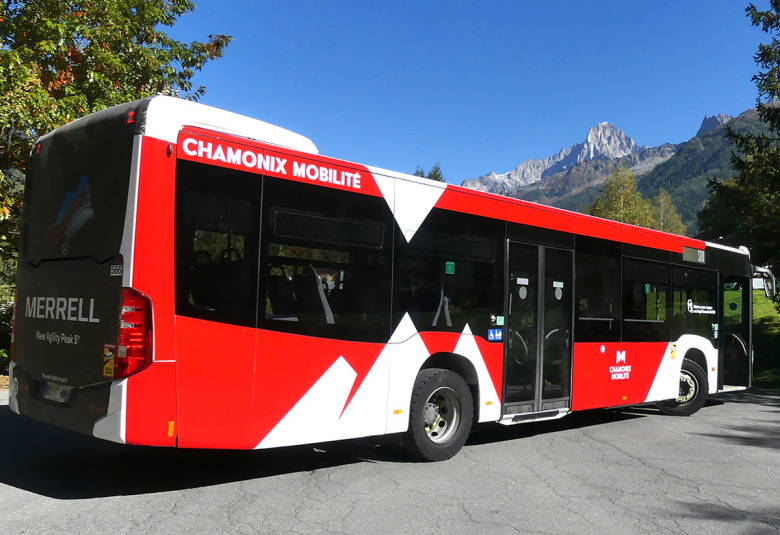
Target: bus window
(645, 301)
(325, 264)
(217, 221)
(695, 303)
(598, 290)
(76, 191)
(450, 275)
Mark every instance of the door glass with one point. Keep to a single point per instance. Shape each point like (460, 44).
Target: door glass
(695, 303)
(522, 323)
(557, 324)
(734, 331)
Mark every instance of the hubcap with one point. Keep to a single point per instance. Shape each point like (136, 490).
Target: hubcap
(688, 387)
(441, 415)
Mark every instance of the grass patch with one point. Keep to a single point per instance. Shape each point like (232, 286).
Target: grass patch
(766, 342)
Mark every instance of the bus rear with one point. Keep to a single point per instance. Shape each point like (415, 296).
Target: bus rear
(77, 329)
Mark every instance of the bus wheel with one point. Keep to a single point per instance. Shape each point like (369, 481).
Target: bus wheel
(441, 414)
(693, 391)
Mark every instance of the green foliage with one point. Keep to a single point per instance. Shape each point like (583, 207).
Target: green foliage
(745, 209)
(619, 200)
(766, 333)
(434, 174)
(702, 159)
(62, 60)
(665, 214)
(6, 320)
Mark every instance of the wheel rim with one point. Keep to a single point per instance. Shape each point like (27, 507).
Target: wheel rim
(441, 415)
(688, 387)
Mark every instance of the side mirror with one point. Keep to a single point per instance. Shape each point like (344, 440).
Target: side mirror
(770, 286)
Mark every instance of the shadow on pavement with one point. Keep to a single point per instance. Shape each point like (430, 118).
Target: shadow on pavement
(757, 396)
(762, 433)
(490, 433)
(754, 522)
(61, 464)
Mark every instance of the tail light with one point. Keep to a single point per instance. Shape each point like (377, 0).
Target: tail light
(134, 346)
(13, 328)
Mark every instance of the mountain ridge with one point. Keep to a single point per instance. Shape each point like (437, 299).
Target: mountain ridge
(684, 169)
(604, 141)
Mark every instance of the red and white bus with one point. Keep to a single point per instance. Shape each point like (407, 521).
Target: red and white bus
(190, 277)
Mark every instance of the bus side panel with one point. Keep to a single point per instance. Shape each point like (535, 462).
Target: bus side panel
(613, 374)
(214, 378)
(151, 406)
(317, 390)
(151, 394)
(153, 258)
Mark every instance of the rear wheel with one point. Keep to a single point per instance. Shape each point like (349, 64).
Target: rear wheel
(693, 391)
(441, 414)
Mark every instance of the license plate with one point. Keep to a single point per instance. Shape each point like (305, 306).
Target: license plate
(57, 393)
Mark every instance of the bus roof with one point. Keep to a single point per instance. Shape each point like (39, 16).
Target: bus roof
(165, 117)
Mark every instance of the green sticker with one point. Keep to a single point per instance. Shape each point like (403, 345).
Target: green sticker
(450, 268)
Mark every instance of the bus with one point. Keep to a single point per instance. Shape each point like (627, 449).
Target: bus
(193, 278)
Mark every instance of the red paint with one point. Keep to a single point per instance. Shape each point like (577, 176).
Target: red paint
(215, 380)
(151, 405)
(259, 158)
(151, 394)
(593, 385)
(472, 202)
(493, 355)
(288, 365)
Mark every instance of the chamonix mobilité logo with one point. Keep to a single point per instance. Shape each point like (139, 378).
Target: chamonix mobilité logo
(617, 371)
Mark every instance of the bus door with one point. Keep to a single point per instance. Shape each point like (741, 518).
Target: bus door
(734, 336)
(538, 329)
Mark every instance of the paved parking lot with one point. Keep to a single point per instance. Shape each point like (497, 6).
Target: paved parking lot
(599, 472)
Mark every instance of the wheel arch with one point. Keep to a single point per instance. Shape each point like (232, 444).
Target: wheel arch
(700, 350)
(697, 356)
(460, 365)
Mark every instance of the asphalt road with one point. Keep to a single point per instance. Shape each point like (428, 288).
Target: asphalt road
(599, 472)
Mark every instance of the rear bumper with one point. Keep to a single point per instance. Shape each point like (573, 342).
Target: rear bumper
(85, 407)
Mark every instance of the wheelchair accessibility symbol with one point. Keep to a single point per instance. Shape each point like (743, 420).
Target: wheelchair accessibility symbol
(495, 335)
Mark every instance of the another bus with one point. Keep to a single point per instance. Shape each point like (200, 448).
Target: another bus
(194, 278)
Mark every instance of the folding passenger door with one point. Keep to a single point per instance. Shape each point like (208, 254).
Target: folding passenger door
(538, 330)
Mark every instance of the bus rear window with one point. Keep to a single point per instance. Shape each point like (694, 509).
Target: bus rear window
(76, 189)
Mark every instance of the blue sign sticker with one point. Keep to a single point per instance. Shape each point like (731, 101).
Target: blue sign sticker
(495, 335)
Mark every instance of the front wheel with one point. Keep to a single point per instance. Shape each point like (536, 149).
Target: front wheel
(693, 391)
(441, 413)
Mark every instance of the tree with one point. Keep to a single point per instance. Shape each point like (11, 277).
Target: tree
(434, 174)
(619, 200)
(744, 210)
(665, 214)
(62, 60)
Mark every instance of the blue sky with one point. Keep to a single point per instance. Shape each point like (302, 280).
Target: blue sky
(477, 86)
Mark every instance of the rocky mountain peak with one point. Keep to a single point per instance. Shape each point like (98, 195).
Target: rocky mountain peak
(713, 121)
(607, 141)
(604, 141)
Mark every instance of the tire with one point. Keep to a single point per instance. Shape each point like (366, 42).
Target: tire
(440, 415)
(693, 391)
